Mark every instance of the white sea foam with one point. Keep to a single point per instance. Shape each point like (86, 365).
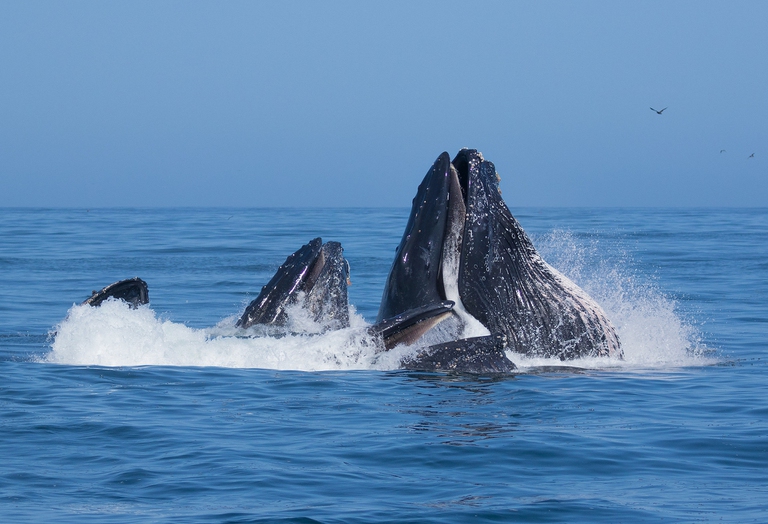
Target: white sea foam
(115, 335)
(652, 332)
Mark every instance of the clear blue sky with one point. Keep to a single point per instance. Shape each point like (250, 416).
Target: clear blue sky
(348, 103)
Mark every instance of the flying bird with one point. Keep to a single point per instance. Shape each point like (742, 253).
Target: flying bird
(751, 156)
(722, 150)
(657, 111)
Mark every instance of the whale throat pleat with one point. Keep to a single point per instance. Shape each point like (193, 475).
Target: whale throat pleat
(507, 286)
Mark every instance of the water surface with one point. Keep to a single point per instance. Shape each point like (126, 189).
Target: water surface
(157, 415)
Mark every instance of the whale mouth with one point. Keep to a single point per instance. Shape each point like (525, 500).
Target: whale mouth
(425, 270)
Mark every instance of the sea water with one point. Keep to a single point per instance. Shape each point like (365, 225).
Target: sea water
(162, 414)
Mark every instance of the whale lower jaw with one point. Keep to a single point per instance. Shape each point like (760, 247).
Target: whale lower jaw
(476, 355)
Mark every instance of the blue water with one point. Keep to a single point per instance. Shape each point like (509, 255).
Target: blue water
(160, 415)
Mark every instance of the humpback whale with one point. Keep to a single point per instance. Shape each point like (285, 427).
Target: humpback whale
(462, 244)
(316, 274)
(134, 291)
(465, 288)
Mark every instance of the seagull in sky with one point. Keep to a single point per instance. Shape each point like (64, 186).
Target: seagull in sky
(722, 150)
(657, 111)
(751, 156)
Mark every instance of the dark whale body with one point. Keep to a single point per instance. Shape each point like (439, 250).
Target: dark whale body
(462, 243)
(469, 355)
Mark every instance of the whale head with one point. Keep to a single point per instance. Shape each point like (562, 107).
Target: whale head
(462, 244)
(316, 273)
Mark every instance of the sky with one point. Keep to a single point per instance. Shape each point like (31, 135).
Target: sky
(339, 104)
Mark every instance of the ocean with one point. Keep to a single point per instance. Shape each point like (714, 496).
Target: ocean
(161, 415)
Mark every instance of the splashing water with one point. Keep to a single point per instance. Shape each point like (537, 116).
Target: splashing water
(652, 333)
(115, 335)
